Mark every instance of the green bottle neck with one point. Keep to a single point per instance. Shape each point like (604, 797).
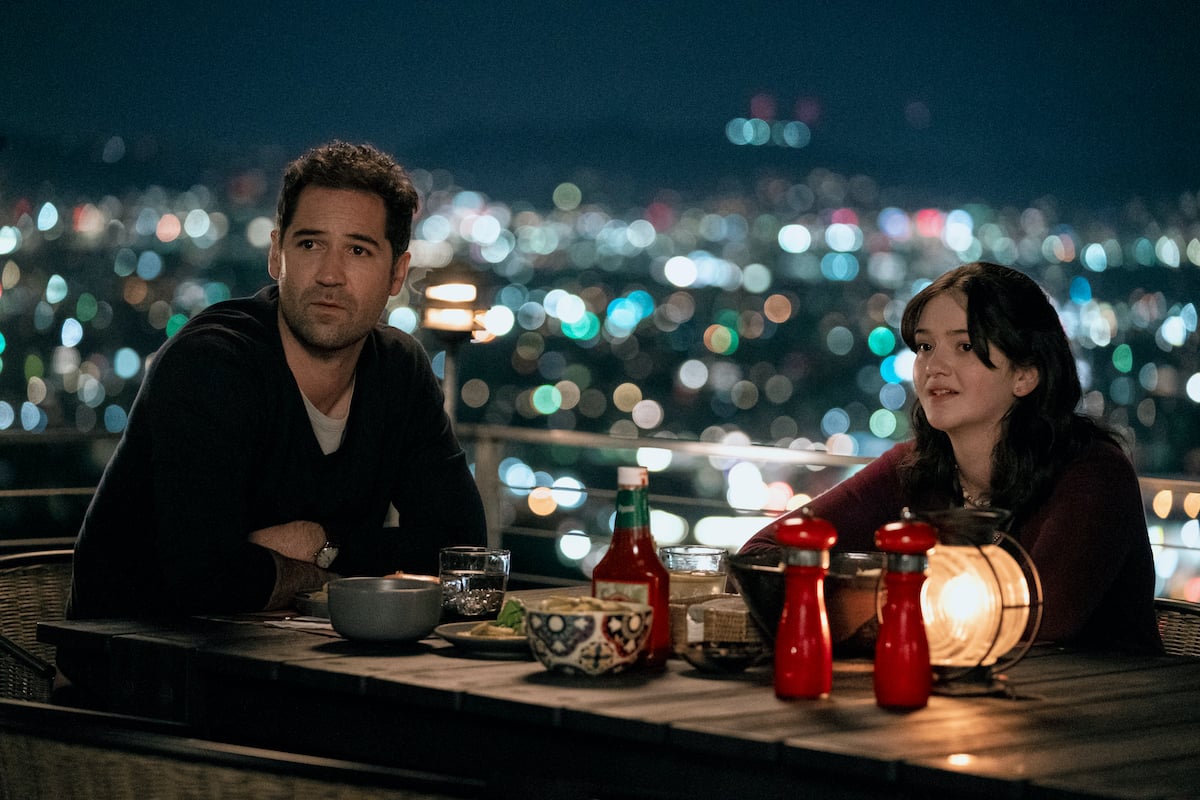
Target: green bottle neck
(633, 509)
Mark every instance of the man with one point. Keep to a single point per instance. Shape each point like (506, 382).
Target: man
(271, 433)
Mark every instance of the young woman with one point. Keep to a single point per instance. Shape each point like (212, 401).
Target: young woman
(995, 425)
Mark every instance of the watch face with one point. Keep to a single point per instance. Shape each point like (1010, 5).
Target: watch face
(326, 555)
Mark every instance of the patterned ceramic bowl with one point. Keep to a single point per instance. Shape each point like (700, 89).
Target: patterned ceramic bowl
(584, 636)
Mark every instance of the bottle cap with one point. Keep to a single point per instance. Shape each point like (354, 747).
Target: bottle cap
(632, 476)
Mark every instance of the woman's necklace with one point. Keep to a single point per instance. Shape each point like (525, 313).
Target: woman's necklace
(978, 503)
(972, 501)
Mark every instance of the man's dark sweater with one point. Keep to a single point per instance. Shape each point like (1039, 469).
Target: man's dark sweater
(219, 444)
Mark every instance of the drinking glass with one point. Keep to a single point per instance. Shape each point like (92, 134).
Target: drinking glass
(695, 569)
(473, 581)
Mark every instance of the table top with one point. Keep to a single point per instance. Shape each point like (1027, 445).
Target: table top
(1076, 724)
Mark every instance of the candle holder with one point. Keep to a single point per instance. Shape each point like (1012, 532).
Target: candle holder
(982, 601)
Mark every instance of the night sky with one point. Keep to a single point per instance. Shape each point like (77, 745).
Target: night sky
(1008, 101)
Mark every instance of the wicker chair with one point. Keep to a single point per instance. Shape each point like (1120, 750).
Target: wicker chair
(63, 753)
(1179, 625)
(33, 587)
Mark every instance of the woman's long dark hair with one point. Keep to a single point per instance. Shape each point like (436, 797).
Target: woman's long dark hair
(1042, 431)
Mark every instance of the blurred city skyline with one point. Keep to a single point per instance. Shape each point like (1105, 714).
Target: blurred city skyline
(768, 314)
(747, 196)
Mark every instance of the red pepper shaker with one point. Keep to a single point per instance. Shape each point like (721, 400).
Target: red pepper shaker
(803, 647)
(903, 676)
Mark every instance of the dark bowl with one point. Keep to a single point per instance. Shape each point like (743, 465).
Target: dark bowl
(850, 588)
(386, 609)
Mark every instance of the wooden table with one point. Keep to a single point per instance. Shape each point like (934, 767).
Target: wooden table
(1080, 724)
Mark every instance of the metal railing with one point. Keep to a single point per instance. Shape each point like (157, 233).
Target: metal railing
(691, 488)
(1171, 504)
(490, 443)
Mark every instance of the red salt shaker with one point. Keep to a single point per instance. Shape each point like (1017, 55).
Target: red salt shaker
(903, 676)
(803, 646)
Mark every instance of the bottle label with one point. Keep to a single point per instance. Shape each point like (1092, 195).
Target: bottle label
(632, 509)
(624, 591)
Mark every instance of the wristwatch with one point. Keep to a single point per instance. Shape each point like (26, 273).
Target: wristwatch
(324, 557)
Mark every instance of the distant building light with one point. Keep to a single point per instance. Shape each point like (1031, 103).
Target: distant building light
(758, 132)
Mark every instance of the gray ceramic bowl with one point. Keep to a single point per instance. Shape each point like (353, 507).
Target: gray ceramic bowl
(384, 609)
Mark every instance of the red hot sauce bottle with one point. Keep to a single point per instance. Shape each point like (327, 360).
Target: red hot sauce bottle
(803, 646)
(903, 676)
(631, 569)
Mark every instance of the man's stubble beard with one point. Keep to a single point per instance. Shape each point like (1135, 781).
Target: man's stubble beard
(317, 338)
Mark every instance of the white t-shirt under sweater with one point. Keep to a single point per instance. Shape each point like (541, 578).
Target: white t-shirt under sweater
(328, 430)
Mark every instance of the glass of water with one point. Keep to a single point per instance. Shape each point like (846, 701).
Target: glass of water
(474, 580)
(694, 569)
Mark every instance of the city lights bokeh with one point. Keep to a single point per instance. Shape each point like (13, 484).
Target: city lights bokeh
(767, 316)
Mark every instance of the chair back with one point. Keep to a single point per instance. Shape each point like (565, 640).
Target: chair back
(1179, 626)
(33, 587)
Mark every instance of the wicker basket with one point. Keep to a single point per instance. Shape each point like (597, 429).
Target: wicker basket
(720, 618)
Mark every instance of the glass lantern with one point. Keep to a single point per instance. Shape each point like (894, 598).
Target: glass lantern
(981, 600)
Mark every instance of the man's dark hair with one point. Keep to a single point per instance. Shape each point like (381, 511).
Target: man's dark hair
(359, 167)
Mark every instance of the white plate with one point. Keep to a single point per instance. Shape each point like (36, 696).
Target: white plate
(459, 635)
